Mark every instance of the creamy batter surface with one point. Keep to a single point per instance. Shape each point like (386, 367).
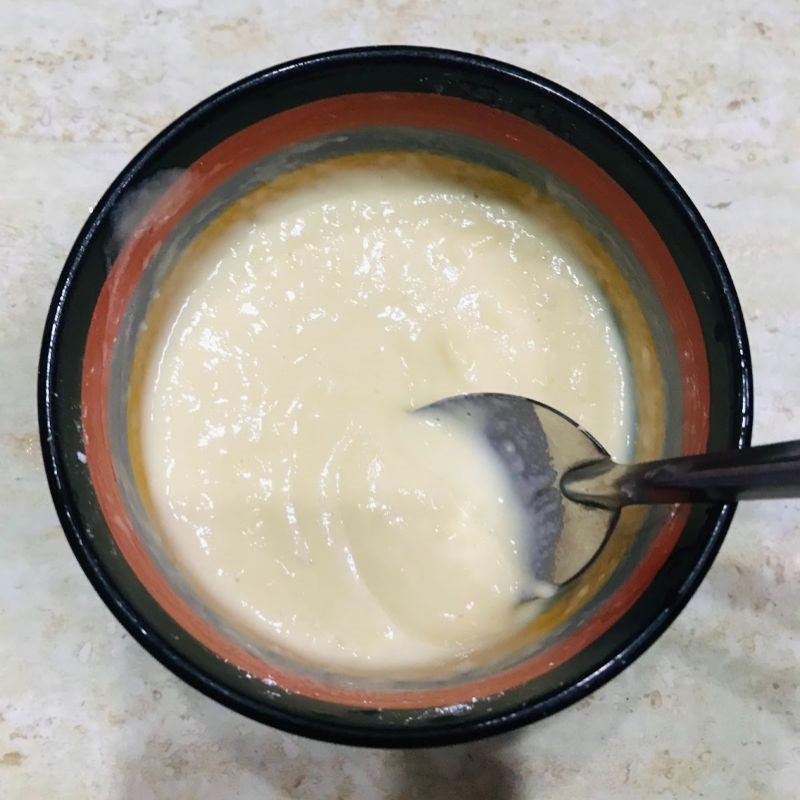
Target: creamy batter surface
(277, 370)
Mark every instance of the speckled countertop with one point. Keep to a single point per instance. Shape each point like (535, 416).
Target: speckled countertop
(712, 710)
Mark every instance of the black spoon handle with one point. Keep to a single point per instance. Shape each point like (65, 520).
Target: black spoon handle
(764, 472)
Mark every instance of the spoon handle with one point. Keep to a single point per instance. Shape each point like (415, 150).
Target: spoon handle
(756, 473)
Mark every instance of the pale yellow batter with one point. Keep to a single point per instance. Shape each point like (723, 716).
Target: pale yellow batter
(282, 466)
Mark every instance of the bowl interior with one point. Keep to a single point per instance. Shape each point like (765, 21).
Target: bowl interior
(649, 252)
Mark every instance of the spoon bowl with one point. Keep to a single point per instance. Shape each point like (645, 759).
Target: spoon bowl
(537, 445)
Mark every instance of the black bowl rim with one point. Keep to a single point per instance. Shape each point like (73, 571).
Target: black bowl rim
(350, 733)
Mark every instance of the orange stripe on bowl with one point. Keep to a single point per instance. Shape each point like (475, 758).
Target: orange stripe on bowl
(343, 113)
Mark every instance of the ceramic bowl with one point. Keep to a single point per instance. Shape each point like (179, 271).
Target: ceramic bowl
(652, 254)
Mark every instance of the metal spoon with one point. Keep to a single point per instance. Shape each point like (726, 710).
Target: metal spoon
(572, 491)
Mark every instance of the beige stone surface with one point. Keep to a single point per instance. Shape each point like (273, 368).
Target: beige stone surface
(712, 710)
